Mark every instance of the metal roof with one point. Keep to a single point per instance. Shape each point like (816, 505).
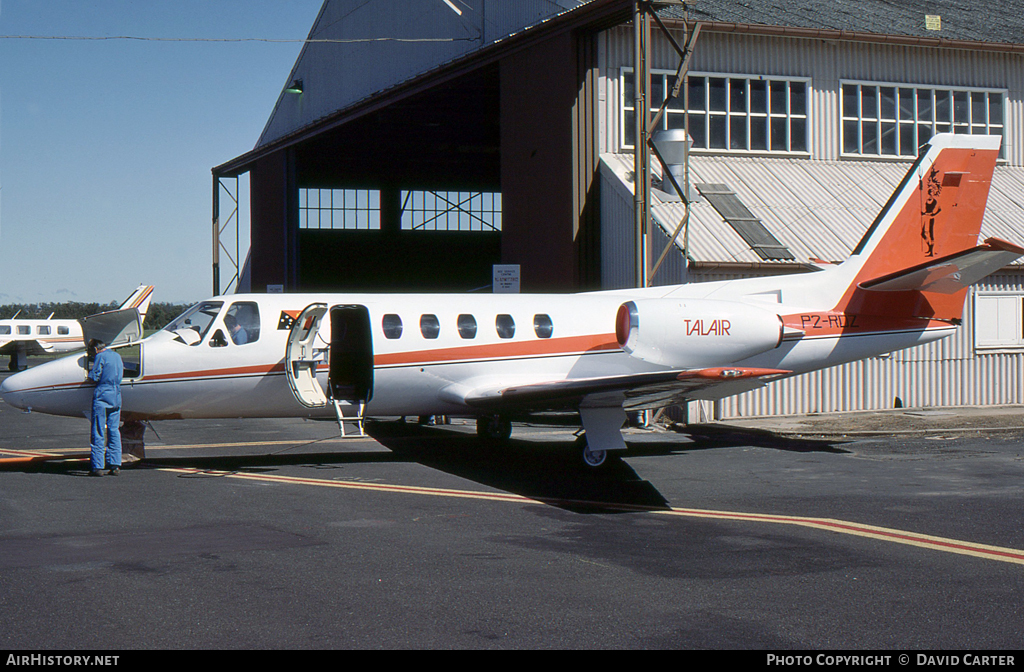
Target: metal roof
(357, 49)
(817, 209)
(989, 21)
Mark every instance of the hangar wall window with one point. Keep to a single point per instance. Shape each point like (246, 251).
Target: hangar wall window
(344, 209)
(727, 113)
(451, 211)
(882, 119)
(998, 321)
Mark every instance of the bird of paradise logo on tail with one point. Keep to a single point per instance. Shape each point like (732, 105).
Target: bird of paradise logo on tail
(933, 189)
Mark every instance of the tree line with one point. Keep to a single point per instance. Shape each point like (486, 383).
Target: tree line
(157, 317)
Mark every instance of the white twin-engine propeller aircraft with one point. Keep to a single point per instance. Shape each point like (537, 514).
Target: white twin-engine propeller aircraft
(601, 353)
(22, 337)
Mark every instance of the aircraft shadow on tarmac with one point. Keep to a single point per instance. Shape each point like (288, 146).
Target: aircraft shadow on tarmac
(548, 471)
(552, 471)
(721, 436)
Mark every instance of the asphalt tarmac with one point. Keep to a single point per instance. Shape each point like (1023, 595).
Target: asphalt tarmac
(277, 534)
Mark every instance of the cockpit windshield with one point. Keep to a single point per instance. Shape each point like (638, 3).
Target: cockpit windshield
(198, 318)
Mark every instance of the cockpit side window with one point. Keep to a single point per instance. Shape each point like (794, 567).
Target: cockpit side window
(198, 318)
(242, 321)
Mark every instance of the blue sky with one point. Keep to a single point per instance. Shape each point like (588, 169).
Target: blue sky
(106, 146)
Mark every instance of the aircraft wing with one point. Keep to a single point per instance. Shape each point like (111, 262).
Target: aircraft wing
(950, 274)
(631, 391)
(29, 347)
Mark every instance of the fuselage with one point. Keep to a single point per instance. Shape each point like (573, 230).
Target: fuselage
(430, 350)
(40, 336)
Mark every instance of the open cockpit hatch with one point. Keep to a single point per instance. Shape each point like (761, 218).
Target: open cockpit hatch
(121, 329)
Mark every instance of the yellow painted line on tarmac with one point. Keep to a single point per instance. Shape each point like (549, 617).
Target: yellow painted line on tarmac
(25, 453)
(861, 530)
(27, 456)
(18, 455)
(290, 442)
(829, 524)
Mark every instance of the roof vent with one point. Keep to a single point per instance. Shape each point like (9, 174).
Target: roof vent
(672, 147)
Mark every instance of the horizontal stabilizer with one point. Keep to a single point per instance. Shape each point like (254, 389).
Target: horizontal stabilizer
(949, 274)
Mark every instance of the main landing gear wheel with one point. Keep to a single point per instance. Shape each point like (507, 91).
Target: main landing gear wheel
(494, 427)
(591, 458)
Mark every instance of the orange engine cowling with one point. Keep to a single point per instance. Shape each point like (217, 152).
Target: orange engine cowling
(689, 333)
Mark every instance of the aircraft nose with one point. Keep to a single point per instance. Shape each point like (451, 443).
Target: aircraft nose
(58, 387)
(10, 391)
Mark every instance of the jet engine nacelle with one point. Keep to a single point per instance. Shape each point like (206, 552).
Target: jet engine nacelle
(685, 333)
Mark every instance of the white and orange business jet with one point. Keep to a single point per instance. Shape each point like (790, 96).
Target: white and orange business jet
(20, 338)
(601, 353)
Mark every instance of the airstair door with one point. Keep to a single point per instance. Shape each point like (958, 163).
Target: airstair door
(351, 366)
(304, 354)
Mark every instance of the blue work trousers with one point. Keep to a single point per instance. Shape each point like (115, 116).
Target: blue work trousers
(106, 436)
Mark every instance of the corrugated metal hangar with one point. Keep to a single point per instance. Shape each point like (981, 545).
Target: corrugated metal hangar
(416, 144)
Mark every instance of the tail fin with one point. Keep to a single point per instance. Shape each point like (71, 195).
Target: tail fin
(934, 216)
(139, 299)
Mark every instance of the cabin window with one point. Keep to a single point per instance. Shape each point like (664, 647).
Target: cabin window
(542, 326)
(243, 322)
(63, 331)
(467, 326)
(24, 330)
(430, 327)
(392, 326)
(505, 326)
(43, 330)
(5, 329)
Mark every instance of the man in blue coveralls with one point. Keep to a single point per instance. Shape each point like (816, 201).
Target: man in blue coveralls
(107, 371)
